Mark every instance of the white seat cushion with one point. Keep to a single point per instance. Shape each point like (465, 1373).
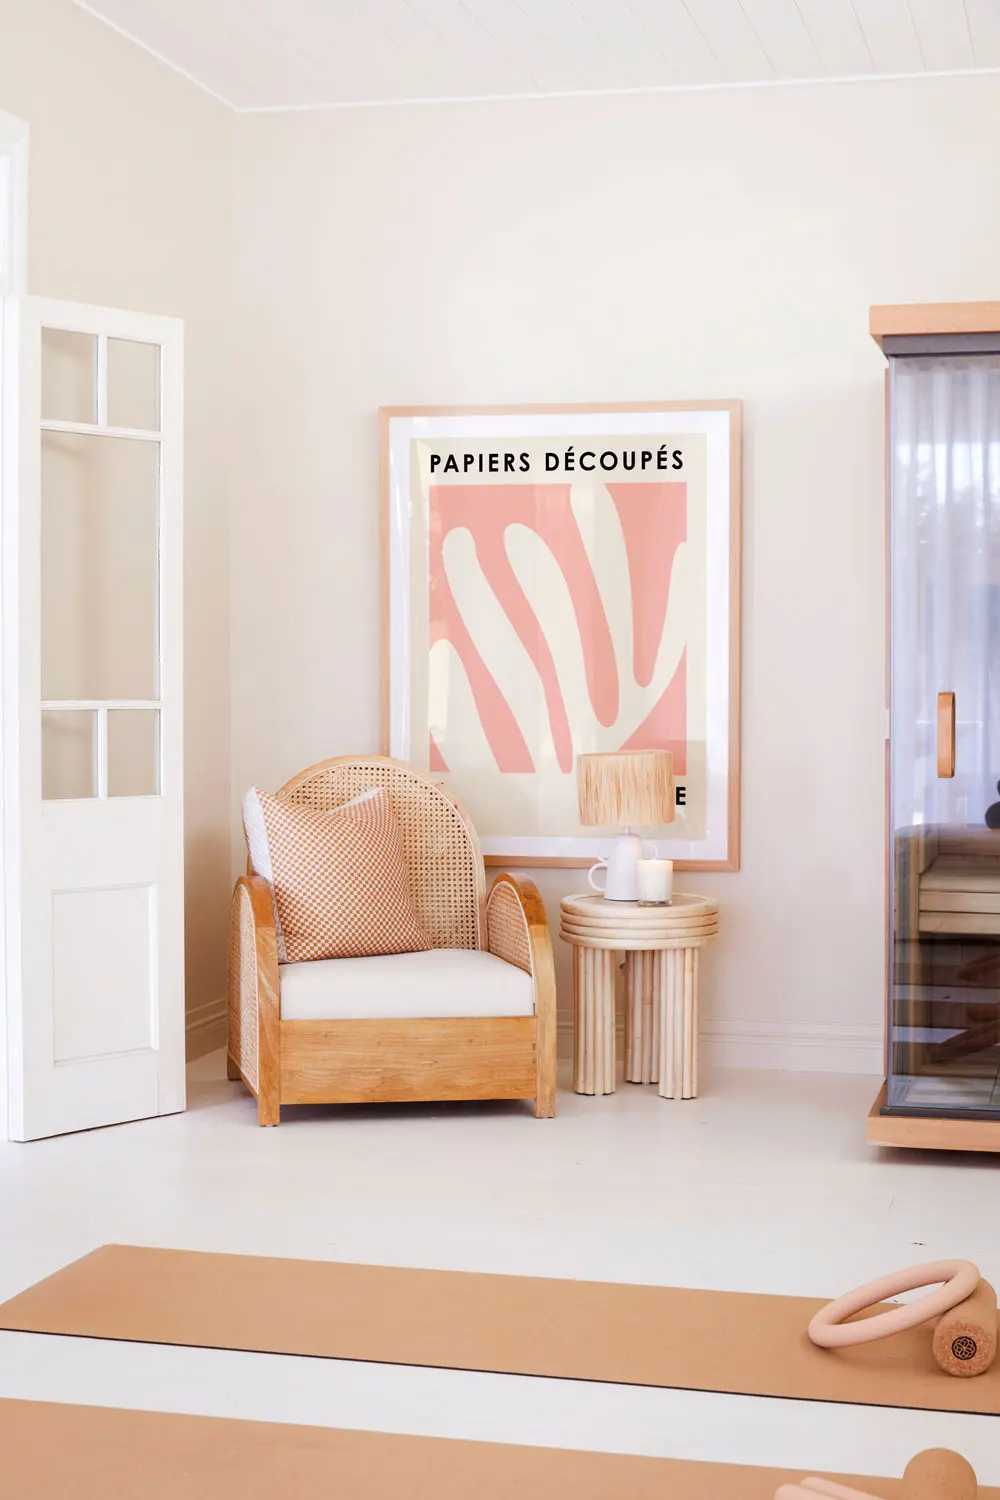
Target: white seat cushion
(405, 986)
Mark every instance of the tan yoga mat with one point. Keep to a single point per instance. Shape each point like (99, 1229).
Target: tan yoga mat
(735, 1342)
(104, 1453)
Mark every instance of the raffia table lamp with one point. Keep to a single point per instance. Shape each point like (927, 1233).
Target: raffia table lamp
(625, 789)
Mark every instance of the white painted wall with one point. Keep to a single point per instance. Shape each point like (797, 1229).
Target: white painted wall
(710, 244)
(725, 243)
(130, 206)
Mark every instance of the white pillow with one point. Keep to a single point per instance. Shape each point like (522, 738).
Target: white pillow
(259, 853)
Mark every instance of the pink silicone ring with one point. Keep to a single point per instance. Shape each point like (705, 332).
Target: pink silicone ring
(830, 1330)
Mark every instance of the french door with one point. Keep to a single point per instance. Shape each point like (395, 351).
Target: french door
(92, 716)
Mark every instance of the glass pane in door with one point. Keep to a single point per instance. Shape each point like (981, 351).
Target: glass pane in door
(69, 754)
(133, 752)
(69, 376)
(100, 566)
(945, 696)
(133, 385)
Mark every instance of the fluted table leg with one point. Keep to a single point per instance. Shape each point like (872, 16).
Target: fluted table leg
(594, 1032)
(676, 978)
(642, 1019)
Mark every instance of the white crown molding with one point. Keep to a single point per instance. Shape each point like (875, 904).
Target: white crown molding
(136, 41)
(643, 91)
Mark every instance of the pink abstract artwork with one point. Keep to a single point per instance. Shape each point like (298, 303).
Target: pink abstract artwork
(652, 517)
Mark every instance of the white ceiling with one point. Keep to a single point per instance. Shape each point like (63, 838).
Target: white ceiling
(267, 54)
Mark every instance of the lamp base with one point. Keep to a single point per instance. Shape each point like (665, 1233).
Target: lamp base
(621, 865)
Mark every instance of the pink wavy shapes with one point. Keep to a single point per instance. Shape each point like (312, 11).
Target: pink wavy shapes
(436, 760)
(486, 511)
(654, 523)
(665, 726)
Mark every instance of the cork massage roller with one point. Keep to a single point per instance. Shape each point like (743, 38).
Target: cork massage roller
(965, 1339)
(937, 1474)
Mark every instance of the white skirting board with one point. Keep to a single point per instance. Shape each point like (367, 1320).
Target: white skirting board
(783, 1045)
(205, 1027)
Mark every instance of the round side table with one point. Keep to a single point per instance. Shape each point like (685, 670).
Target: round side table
(661, 946)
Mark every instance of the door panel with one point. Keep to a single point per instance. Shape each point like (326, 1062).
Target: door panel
(103, 973)
(93, 717)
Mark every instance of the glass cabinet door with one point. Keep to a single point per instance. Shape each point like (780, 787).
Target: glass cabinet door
(945, 735)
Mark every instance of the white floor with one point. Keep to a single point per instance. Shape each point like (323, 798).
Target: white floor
(765, 1183)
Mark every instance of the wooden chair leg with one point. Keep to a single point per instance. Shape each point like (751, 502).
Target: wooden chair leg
(268, 1060)
(268, 1033)
(545, 1031)
(545, 1101)
(232, 1069)
(545, 1064)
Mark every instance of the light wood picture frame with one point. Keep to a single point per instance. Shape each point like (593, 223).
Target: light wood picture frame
(558, 580)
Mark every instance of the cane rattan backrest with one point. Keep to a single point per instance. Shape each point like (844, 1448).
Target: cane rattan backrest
(441, 849)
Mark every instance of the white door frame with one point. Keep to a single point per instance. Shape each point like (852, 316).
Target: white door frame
(13, 279)
(14, 217)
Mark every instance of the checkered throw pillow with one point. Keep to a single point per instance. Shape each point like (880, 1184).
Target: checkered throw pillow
(339, 879)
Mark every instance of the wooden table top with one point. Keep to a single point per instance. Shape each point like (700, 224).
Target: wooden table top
(594, 921)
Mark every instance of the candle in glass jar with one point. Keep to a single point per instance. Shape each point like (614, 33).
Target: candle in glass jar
(656, 882)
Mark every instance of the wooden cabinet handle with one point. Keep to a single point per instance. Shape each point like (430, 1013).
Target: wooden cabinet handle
(946, 734)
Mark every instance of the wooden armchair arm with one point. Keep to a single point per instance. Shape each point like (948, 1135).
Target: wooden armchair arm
(517, 930)
(254, 1005)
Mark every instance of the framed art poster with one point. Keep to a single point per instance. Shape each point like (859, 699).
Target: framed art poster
(562, 580)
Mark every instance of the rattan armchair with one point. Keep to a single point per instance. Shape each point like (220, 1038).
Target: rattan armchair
(368, 1060)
